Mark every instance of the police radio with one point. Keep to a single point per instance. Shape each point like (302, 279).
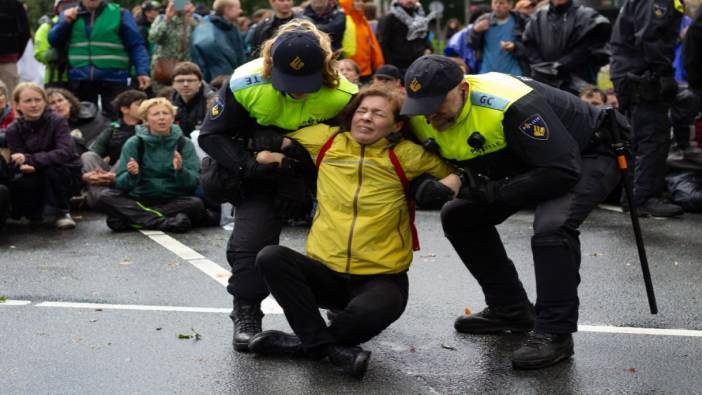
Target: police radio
(476, 141)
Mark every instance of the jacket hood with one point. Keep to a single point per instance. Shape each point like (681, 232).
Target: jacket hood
(220, 22)
(144, 133)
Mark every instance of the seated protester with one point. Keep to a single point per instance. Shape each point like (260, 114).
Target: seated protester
(593, 95)
(7, 113)
(190, 96)
(100, 162)
(390, 76)
(360, 245)
(5, 177)
(156, 175)
(350, 70)
(46, 164)
(84, 119)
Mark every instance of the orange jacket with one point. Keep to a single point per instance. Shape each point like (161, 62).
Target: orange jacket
(359, 42)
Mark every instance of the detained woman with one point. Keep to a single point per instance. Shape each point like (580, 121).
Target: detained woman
(46, 164)
(361, 241)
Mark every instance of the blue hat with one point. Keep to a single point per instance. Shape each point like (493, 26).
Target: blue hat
(298, 60)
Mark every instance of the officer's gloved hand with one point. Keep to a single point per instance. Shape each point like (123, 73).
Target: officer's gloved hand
(266, 140)
(669, 88)
(432, 194)
(292, 199)
(476, 187)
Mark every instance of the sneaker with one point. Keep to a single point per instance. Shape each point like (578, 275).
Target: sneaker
(179, 223)
(117, 224)
(247, 320)
(64, 222)
(514, 318)
(659, 207)
(275, 343)
(352, 360)
(542, 350)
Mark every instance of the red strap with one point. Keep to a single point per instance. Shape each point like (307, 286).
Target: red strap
(410, 202)
(323, 151)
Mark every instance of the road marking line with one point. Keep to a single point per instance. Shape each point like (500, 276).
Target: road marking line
(639, 331)
(210, 268)
(107, 306)
(16, 303)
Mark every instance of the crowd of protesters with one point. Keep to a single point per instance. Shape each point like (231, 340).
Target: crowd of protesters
(94, 51)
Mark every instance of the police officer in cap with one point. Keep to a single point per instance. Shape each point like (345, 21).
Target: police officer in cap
(521, 144)
(293, 84)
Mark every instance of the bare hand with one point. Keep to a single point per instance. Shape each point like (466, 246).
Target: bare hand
(144, 81)
(286, 143)
(170, 11)
(133, 167)
(481, 26)
(27, 169)
(269, 158)
(507, 46)
(177, 161)
(452, 181)
(71, 14)
(18, 159)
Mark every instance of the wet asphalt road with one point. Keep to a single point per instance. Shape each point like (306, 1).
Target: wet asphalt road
(101, 349)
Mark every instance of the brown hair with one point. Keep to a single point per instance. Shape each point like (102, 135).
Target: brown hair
(376, 89)
(147, 104)
(330, 77)
(186, 68)
(68, 95)
(28, 85)
(591, 91)
(126, 98)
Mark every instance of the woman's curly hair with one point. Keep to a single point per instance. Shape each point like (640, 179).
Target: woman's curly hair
(330, 77)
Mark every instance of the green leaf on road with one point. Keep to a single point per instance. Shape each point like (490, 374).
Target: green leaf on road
(3, 299)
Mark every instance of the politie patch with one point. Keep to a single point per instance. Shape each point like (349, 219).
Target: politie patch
(535, 127)
(217, 108)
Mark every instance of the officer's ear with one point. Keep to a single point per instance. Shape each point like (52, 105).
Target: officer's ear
(463, 87)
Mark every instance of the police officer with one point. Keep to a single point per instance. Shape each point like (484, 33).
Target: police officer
(643, 47)
(293, 85)
(521, 144)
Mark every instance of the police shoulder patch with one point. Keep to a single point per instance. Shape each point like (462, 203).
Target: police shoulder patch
(535, 127)
(659, 10)
(217, 108)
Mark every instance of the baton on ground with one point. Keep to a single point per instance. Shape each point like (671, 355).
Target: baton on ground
(619, 146)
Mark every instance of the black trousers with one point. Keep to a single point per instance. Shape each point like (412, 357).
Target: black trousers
(50, 187)
(149, 213)
(683, 112)
(106, 90)
(470, 227)
(301, 285)
(4, 204)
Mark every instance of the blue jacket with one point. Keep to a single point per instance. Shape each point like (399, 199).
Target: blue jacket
(217, 47)
(131, 39)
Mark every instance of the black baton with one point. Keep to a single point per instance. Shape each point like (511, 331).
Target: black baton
(619, 146)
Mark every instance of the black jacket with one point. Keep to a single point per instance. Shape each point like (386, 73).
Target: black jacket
(644, 38)
(14, 28)
(572, 35)
(392, 37)
(692, 52)
(262, 31)
(332, 22)
(190, 115)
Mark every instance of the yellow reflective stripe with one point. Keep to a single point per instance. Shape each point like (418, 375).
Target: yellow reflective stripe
(679, 6)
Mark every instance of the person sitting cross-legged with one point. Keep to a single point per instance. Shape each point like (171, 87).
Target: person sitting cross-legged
(157, 174)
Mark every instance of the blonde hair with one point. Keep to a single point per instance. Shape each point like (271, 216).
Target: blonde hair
(330, 76)
(28, 85)
(219, 5)
(147, 104)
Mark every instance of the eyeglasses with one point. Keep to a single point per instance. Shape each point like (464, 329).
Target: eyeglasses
(182, 81)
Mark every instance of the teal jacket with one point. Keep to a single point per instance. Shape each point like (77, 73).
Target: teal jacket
(157, 179)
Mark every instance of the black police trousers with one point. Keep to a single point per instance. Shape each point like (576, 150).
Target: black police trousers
(470, 227)
(366, 305)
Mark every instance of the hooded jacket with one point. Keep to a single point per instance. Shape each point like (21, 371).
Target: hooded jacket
(44, 142)
(359, 42)
(157, 179)
(217, 47)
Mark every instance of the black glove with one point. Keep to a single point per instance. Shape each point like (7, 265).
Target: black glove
(266, 140)
(476, 187)
(431, 194)
(292, 199)
(669, 88)
(255, 170)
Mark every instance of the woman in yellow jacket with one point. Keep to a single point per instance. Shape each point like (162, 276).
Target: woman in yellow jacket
(360, 245)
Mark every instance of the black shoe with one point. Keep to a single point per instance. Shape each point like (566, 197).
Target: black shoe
(247, 322)
(659, 207)
(353, 360)
(542, 350)
(515, 318)
(117, 224)
(275, 343)
(179, 223)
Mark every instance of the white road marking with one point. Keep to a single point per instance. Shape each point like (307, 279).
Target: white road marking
(216, 272)
(266, 305)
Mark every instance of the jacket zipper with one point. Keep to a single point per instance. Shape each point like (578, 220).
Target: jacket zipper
(355, 209)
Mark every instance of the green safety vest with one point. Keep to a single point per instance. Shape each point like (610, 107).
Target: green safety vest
(489, 97)
(272, 107)
(103, 48)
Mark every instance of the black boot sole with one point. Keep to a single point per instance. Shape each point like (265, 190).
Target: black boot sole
(521, 327)
(241, 346)
(274, 342)
(360, 365)
(540, 364)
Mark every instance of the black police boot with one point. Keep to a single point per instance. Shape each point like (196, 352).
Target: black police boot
(542, 350)
(352, 360)
(117, 224)
(247, 319)
(514, 318)
(275, 343)
(659, 207)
